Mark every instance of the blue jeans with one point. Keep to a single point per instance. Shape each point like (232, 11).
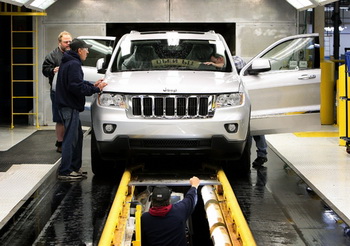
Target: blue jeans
(261, 145)
(72, 146)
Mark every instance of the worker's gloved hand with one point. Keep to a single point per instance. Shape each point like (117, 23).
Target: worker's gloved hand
(194, 181)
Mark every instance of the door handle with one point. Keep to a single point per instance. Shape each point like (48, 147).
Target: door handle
(307, 76)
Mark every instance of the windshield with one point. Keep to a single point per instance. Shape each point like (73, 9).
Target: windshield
(141, 55)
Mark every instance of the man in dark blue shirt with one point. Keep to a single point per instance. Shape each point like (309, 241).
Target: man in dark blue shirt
(165, 223)
(71, 90)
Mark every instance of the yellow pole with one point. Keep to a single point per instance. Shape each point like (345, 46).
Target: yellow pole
(327, 93)
(341, 109)
(138, 213)
(36, 73)
(12, 86)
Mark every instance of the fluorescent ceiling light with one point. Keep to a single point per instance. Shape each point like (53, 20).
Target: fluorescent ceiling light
(173, 38)
(324, 2)
(306, 4)
(39, 5)
(15, 2)
(331, 29)
(302, 4)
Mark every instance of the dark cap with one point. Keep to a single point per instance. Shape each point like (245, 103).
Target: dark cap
(161, 193)
(78, 43)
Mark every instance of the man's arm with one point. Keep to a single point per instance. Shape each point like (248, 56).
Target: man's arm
(48, 66)
(190, 201)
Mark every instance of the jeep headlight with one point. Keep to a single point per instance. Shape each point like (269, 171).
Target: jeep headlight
(112, 100)
(229, 100)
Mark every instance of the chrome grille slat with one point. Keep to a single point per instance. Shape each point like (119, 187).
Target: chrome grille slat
(171, 106)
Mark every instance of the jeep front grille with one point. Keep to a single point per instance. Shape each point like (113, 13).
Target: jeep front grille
(171, 106)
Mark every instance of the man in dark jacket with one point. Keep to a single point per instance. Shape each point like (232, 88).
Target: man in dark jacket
(71, 90)
(49, 69)
(165, 223)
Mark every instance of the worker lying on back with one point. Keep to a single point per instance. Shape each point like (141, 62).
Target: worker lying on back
(165, 223)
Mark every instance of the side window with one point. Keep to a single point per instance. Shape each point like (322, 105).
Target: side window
(296, 54)
(99, 49)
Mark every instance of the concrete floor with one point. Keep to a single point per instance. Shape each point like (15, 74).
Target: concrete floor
(299, 198)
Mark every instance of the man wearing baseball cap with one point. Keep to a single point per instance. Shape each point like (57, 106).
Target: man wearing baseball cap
(71, 89)
(165, 223)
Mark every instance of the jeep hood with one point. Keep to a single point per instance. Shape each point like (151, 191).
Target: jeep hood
(183, 82)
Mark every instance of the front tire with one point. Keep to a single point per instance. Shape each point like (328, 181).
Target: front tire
(100, 166)
(243, 163)
(240, 167)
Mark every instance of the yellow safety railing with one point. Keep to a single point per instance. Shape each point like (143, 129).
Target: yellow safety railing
(113, 219)
(242, 229)
(114, 230)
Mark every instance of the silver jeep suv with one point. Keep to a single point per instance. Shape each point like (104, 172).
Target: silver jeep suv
(170, 94)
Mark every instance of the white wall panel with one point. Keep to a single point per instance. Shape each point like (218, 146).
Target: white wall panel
(231, 11)
(253, 38)
(103, 11)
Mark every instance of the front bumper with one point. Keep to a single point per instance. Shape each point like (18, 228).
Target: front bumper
(154, 137)
(216, 147)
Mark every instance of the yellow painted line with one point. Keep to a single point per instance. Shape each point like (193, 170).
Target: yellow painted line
(294, 113)
(316, 134)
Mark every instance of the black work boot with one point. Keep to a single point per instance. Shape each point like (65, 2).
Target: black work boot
(259, 161)
(59, 147)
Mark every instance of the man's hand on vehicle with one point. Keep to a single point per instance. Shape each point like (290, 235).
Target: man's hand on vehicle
(100, 84)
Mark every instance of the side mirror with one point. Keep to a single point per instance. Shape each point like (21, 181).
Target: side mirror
(100, 66)
(259, 65)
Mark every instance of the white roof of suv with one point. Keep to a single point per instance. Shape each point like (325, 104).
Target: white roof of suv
(135, 35)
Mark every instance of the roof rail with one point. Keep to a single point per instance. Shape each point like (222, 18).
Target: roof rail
(178, 31)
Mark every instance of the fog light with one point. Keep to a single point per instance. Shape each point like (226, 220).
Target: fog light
(109, 128)
(231, 128)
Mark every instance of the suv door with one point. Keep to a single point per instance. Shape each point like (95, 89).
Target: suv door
(102, 46)
(283, 82)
